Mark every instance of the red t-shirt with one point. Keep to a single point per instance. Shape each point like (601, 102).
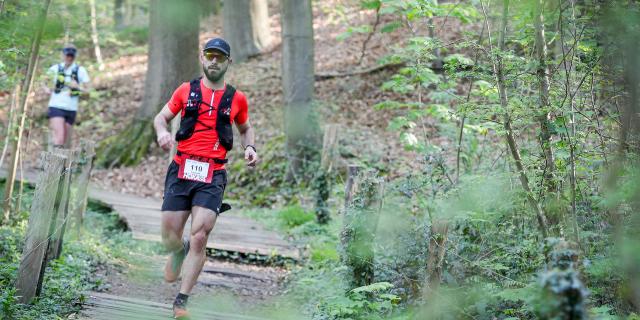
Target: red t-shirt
(205, 143)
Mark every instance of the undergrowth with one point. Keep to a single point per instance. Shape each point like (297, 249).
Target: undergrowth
(103, 244)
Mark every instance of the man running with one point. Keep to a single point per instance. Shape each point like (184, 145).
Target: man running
(70, 81)
(196, 178)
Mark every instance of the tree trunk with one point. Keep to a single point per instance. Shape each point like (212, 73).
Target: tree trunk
(118, 14)
(435, 260)
(246, 27)
(359, 226)
(301, 128)
(510, 135)
(94, 35)
(173, 59)
(544, 113)
(26, 88)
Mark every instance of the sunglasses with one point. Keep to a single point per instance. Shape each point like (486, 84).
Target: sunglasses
(210, 55)
(69, 51)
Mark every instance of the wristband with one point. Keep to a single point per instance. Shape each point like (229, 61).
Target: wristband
(252, 147)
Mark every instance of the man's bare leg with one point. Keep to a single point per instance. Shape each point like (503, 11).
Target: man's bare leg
(172, 228)
(57, 126)
(202, 222)
(68, 131)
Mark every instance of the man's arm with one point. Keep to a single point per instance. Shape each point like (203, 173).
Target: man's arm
(160, 122)
(248, 140)
(83, 81)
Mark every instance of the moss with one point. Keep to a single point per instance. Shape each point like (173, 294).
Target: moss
(126, 148)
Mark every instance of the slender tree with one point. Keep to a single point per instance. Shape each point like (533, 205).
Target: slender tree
(173, 59)
(94, 35)
(297, 84)
(27, 83)
(498, 69)
(118, 14)
(246, 27)
(543, 93)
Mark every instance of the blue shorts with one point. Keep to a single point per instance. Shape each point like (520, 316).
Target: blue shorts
(69, 116)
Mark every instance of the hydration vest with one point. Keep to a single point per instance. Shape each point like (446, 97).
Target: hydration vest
(60, 79)
(192, 111)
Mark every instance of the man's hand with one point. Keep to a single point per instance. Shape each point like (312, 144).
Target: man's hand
(165, 141)
(250, 156)
(74, 84)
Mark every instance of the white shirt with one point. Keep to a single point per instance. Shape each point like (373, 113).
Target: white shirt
(64, 100)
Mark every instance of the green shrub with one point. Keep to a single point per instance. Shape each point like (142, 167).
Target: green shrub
(323, 253)
(135, 35)
(294, 216)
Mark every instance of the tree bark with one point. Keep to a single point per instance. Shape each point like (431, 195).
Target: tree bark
(173, 59)
(544, 113)
(26, 88)
(359, 226)
(246, 27)
(435, 260)
(118, 14)
(510, 136)
(94, 35)
(297, 82)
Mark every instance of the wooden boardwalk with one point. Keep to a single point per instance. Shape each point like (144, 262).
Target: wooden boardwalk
(100, 306)
(143, 216)
(231, 233)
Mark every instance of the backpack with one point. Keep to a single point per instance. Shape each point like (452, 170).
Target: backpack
(192, 111)
(61, 77)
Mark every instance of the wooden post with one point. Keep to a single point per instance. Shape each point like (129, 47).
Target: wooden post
(437, 246)
(329, 147)
(323, 178)
(352, 175)
(33, 262)
(80, 184)
(360, 224)
(61, 206)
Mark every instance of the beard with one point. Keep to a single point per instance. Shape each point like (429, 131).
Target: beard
(214, 75)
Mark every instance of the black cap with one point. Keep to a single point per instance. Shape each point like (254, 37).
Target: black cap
(69, 50)
(218, 44)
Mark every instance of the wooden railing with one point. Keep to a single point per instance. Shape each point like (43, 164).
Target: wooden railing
(60, 200)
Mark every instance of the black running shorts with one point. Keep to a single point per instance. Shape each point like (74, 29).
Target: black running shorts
(181, 195)
(69, 116)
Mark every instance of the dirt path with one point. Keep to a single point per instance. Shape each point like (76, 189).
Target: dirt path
(224, 288)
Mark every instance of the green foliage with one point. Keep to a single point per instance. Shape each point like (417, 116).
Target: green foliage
(74, 273)
(367, 302)
(324, 253)
(294, 216)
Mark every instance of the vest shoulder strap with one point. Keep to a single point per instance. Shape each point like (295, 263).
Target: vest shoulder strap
(227, 97)
(195, 92)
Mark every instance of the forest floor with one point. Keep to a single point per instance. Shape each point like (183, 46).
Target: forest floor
(224, 285)
(346, 101)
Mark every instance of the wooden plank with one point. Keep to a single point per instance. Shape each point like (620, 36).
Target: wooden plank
(61, 206)
(106, 306)
(231, 233)
(80, 183)
(32, 264)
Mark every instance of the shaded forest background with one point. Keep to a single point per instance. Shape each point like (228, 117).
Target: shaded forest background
(505, 134)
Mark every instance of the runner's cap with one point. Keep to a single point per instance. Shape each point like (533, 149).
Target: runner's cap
(218, 44)
(69, 50)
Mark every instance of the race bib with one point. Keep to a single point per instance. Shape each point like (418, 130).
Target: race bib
(195, 169)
